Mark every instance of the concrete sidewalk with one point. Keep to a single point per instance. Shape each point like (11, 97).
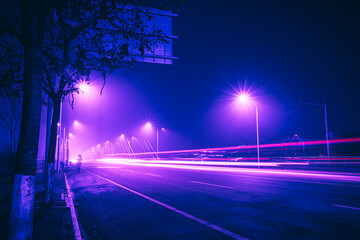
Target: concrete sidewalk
(50, 222)
(53, 222)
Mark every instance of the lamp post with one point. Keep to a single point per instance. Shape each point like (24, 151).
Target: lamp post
(148, 125)
(326, 124)
(257, 134)
(58, 139)
(64, 138)
(245, 99)
(157, 143)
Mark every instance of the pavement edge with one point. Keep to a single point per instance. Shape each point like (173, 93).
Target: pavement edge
(70, 203)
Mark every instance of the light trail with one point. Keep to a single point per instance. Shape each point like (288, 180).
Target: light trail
(198, 162)
(337, 176)
(348, 207)
(107, 167)
(245, 161)
(272, 145)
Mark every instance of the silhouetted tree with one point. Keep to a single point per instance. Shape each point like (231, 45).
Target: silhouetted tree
(60, 43)
(91, 36)
(10, 116)
(11, 81)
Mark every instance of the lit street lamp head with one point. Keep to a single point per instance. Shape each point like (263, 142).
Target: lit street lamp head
(83, 87)
(243, 98)
(148, 125)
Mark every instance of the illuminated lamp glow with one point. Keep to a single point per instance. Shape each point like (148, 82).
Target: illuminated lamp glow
(243, 98)
(70, 135)
(73, 160)
(76, 122)
(148, 125)
(84, 87)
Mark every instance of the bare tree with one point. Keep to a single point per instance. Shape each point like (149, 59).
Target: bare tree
(61, 42)
(10, 116)
(11, 80)
(85, 37)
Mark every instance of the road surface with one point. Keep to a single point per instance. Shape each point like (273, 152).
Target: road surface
(121, 201)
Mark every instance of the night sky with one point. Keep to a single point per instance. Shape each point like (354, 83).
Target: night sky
(283, 52)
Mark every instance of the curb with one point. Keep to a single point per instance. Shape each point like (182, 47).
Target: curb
(70, 203)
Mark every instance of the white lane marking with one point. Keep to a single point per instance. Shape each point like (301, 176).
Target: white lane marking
(72, 211)
(208, 224)
(129, 170)
(153, 174)
(210, 184)
(343, 206)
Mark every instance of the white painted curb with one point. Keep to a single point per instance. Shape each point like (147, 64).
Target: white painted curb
(70, 203)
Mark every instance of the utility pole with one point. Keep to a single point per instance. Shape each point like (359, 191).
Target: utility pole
(326, 125)
(257, 136)
(327, 133)
(157, 143)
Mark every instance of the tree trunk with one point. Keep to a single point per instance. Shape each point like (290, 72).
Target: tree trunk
(49, 190)
(21, 218)
(46, 165)
(21, 221)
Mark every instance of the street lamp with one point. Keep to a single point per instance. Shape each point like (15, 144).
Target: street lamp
(245, 99)
(83, 87)
(149, 126)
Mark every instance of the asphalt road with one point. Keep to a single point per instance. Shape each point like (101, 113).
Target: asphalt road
(120, 201)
